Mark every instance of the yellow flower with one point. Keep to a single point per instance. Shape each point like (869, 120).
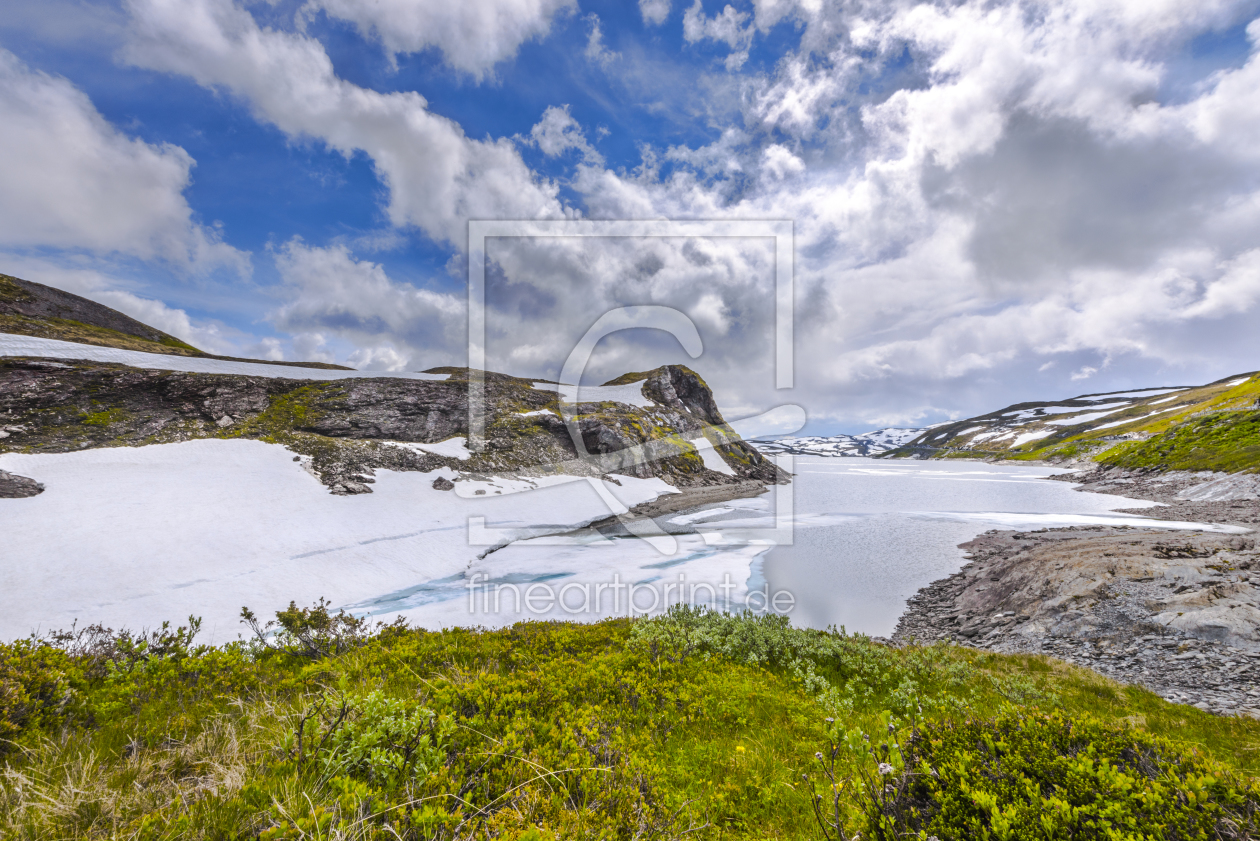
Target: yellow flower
(739, 748)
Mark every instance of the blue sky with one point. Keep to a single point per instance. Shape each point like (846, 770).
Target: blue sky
(993, 202)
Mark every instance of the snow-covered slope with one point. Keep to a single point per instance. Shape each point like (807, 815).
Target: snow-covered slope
(864, 444)
(1065, 428)
(132, 536)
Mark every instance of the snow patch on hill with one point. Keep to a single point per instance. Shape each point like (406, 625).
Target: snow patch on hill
(865, 444)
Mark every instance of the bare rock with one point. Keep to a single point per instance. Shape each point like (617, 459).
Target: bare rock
(13, 486)
(441, 483)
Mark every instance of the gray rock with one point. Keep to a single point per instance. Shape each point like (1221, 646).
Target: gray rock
(441, 483)
(13, 486)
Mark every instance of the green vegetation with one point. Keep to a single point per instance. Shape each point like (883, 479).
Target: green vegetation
(68, 330)
(287, 413)
(1228, 441)
(105, 417)
(696, 724)
(1157, 415)
(11, 293)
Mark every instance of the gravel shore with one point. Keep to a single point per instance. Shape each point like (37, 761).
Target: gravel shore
(1175, 611)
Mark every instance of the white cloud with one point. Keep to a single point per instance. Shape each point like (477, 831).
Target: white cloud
(557, 132)
(980, 191)
(473, 36)
(778, 162)
(388, 325)
(596, 50)
(71, 180)
(437, 177)
(730, 27)
(1085, 373)
(654, 11)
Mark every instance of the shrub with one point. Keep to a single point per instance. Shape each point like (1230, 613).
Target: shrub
(1038, 776)
(35, 689)
(312, 632)
(384, 741)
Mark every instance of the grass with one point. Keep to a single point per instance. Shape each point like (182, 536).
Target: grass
(701, 725)
(67, 330)
(1225, 441)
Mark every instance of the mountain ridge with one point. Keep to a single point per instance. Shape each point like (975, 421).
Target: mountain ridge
(1111, 427)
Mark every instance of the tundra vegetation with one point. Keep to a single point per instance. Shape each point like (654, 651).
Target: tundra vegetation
(693, 724)
(1211, 427)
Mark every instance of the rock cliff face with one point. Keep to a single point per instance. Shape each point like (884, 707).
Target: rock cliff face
(344, 429)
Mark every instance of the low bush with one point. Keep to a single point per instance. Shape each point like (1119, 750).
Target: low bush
(694, 724)
(1039, 776)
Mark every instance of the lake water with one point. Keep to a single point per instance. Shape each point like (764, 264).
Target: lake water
(131, 537)
(891, 528)
(853, 539)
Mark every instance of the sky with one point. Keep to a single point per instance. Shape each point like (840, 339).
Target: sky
(991, 202)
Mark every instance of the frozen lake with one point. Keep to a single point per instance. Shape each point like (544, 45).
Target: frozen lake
(134, 536)
(861, 537)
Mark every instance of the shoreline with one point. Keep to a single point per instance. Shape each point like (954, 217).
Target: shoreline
(1175, 612)
(686, 499)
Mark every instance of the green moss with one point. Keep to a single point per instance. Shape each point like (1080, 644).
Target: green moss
(172, 342)
(11, 293)
(1226, 441)
(289, 412)
(104, 417)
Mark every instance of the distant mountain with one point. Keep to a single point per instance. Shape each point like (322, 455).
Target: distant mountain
(865, 444)
(33, 309)
(1091, 424)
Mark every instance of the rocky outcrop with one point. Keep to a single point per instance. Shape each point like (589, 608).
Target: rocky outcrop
(13, 486)
(1175, 612)
(1200, 496)
(345, 429)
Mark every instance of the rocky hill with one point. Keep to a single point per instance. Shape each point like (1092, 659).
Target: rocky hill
(1209, 427)
(344, 429)
(662, 423)
(33, 309)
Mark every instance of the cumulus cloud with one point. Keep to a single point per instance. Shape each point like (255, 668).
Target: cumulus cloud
(389, 325)
(654, 12)
(71, 180)
(473, 36)
(730, 27)
(979, 194)
(557, 132)
(437, 177)
(989, 199)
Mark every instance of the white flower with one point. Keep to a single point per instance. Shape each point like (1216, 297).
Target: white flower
(885, 768)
